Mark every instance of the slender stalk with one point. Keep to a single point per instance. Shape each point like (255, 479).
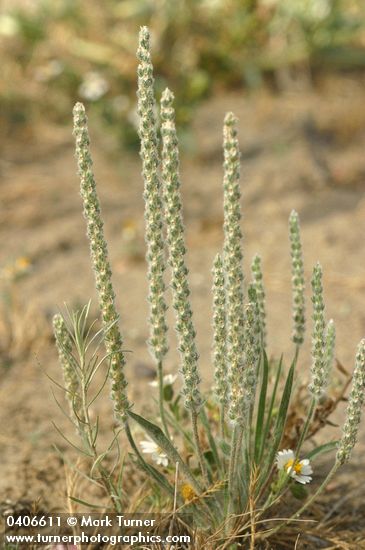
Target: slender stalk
(235, 445)
(312, 408)
(161, 398)
(194, 422)
(252, 517)
(222, 427)
(105, 477)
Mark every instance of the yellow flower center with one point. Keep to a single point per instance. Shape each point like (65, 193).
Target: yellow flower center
(187, 492)
(297, 467)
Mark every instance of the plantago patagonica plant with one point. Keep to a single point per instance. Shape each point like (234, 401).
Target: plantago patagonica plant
(237, 471)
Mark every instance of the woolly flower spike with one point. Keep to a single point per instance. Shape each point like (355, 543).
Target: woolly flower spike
(175, 239)
(297, 279)
(99, 257)
(319, 370)
(64, 348)
(300, 470)
(252, 345)
(233, 270)
(355, 403)
(152, 195)
(220, 333)
(256, 270)
(150, 447)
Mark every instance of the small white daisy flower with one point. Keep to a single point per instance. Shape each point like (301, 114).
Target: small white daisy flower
(168, 380)
(300, 470)
(150, 447)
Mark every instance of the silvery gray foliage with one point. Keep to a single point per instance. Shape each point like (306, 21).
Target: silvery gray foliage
(176, 244)
(354, 408)
(99, 256)
(219, 333)
(152, 195)
(319, 370)
(232, 258)
(298, 284)
(257, 276)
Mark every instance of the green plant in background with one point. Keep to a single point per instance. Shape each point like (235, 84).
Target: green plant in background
(84, 49)
(238, 472)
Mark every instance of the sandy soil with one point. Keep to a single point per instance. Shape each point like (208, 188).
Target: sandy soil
(301, 150)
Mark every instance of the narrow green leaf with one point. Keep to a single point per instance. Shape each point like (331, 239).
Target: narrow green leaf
(97, 462)
(177, 425)
(280, 423)
(225, 447)
(261, 409)
(156, 475)
(161, 440)
(95, 430)
(100, 389)
(120, 478)
(70, 442)
(60, 407)
(325, 448)
(271, 406)
(71, 465)
(205, 422)
(84, 503)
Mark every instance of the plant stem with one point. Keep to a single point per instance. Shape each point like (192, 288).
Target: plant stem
(160, 399)
(222, 420)
(194, 422)
(303, 435)
(235, 445)
(105, 477)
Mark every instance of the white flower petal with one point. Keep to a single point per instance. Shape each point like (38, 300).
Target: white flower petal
(149, 447)
(283, 458)
(161, 459)
(306, 469)
(168, 380)
(303, 479)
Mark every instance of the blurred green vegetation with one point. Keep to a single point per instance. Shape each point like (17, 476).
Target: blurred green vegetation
(55, 52)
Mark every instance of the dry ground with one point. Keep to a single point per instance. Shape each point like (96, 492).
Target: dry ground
(302, 150)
